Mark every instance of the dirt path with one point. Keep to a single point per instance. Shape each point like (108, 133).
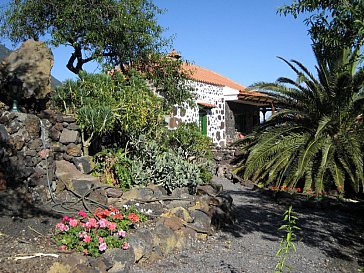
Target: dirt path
(331, 239)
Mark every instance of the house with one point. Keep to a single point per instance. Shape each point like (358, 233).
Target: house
(224, 109)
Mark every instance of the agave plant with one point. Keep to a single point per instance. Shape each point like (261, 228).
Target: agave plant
(315, 139)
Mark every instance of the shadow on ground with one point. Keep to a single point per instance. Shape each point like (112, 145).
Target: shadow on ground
(335, 227)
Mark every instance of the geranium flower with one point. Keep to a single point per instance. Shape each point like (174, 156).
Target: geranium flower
(82, 214)
(87, 239)
(298, 189)
(121, 233)
(125, 245)
(102, 223)
(111, 226)
(92, 223)
(85, 251)
(62, 227)
(101, 240)
(63, 248)
(102, 247)
(118, 216)
(133, 217)
(114, 210)
(82, 234)
(73, 222)
(65, 219)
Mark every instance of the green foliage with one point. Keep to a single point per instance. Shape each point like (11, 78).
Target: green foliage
(332, 24)
(189, 138)
(316, 138)
(166, 167)
(194, 146)
(287, 242)
(111, 105)
(169, 77)
(115, 166)
(112, 31)
(122, 33)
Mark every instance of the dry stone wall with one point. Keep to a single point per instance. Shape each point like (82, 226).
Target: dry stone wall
(30, 145)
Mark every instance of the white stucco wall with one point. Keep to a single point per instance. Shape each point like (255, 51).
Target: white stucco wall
(211, 94)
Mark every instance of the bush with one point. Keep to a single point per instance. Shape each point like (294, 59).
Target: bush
(194, 146)
(115, 167)
(152, 164)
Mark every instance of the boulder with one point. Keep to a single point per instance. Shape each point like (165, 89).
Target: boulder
(142, 242)
(68, 136)
(31, 64)
(121, 259)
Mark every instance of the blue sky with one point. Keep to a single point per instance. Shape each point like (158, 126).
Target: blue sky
(238, 39)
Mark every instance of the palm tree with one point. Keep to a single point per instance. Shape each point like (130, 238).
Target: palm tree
(316, 138)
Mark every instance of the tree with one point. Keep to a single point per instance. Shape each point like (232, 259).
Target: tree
(316, 139)
(333, 23)
(117, 32)
(121, 33)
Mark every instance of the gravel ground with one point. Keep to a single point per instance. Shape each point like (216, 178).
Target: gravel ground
(331, 239)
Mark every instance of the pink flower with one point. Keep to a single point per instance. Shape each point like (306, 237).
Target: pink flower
(85, 251)
(101, 240)
(87, 239)
(82, 234)
(62, 227)
(125, 245)
(111, 226)
(121, 233)
(102, 223)
(65, 219)
(91, 223)
(63, 248)
(82, 214)
(102, 247)
(73, 222)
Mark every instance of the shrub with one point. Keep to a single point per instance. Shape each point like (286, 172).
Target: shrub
(194, 146)
(115, 167)
(167, 167)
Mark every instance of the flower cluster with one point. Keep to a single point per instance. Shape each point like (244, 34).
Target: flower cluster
(288, 189)
(308, 192)
(92, 234)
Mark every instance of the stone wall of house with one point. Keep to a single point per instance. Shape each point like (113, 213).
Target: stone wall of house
(210, 94)
(30, 145)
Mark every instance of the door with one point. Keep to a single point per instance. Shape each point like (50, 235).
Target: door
(203, 121)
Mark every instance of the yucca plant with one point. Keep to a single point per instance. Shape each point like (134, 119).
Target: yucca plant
(316, 137)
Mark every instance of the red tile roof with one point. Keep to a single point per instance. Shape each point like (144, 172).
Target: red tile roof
(206, 104)
(204, 75)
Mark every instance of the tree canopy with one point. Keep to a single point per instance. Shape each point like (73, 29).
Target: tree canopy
(315, 140)
(332, 24)
(113, 31)
(122, 33)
